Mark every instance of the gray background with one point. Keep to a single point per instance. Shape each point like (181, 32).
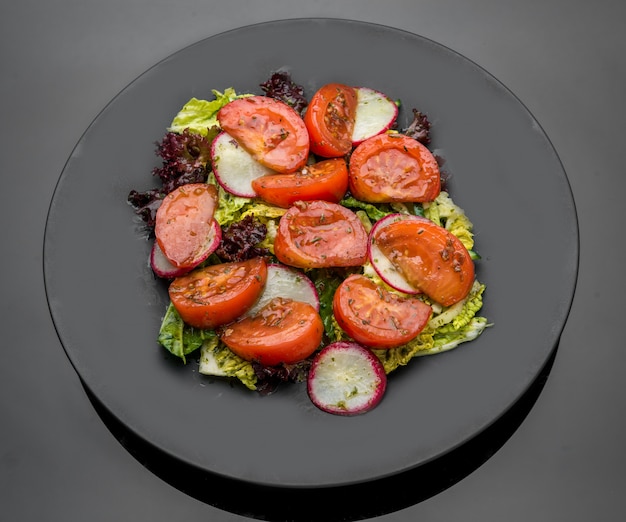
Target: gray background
(61, 61)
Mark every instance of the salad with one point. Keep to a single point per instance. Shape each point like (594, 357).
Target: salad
(308, 239)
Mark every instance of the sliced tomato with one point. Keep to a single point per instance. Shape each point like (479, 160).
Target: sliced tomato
(394, 168)
(283, 331)
(218, 294)
(316, 234)
(326, 180)
(184, 223)
(271, 131)
(430, 258)
(329, 119)
(375, 317)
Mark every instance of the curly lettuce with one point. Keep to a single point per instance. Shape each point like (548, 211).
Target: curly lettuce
(460, 326)
(445, 213)
(217, 360)
(200, 116)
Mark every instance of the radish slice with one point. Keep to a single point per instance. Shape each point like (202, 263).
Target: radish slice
(375, 114)
(162, 266)
(234, 167)
(346, 379)
(283, 281)
(381, 263)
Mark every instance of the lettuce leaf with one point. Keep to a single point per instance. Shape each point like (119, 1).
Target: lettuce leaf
(445, 213)
(216, 359)
(201, 115)
(235, 208)
(179, 338)
(461, 326)
(376, 211)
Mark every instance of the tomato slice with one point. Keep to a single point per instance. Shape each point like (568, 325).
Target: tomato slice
(271, 131)
(375, 317)
(329, 119)
(184, 223)
(218, 294)
(283, 331)
(394, 167)
(316, 234)
(326, 180)
(431, 259)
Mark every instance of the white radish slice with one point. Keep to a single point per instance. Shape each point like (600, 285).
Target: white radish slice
(381, 263)
(286, 282)
(234, 167)
(375, 114)
(162, 266)
(346, 378)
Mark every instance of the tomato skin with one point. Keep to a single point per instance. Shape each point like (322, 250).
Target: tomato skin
(184, 223)
(318, 234)
(375, 317)
(431, 259)
(218, 294)
(329, 118)
(394, 168)
(271, 131)
(326, 180)
(283, 331)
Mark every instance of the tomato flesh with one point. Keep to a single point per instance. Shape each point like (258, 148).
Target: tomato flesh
(218, 294)
(283, 331)
(329, 118)
(394, 168)
(319, 234)
(431, 259)
(184, 225)
(326, 180)
(271, 131)
(375, 317)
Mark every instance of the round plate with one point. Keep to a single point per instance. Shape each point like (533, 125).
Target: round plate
(107, 306)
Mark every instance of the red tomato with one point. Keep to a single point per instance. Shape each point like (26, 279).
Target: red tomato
(429, 257)
(218, 294)
(326, 180)
(283, 331)
(393, 167)
(318, 234)
(271, 131)
(375, 317)
(329, 119)
(184, 223)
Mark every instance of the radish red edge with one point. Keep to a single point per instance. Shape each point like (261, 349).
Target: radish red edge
(234, 167)
(346, 378)
(164, 268)
(381, 263)
(375, 113)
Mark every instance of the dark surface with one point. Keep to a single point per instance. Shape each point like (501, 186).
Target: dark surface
(556, 455)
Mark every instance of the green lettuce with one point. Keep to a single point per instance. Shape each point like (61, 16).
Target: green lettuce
(234, 208)
(461, 326)
(445, 213)
(201, 115)
(216, 359)
(179, 338)
(377, 211)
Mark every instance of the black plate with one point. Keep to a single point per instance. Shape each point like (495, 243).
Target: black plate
(107, 306)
